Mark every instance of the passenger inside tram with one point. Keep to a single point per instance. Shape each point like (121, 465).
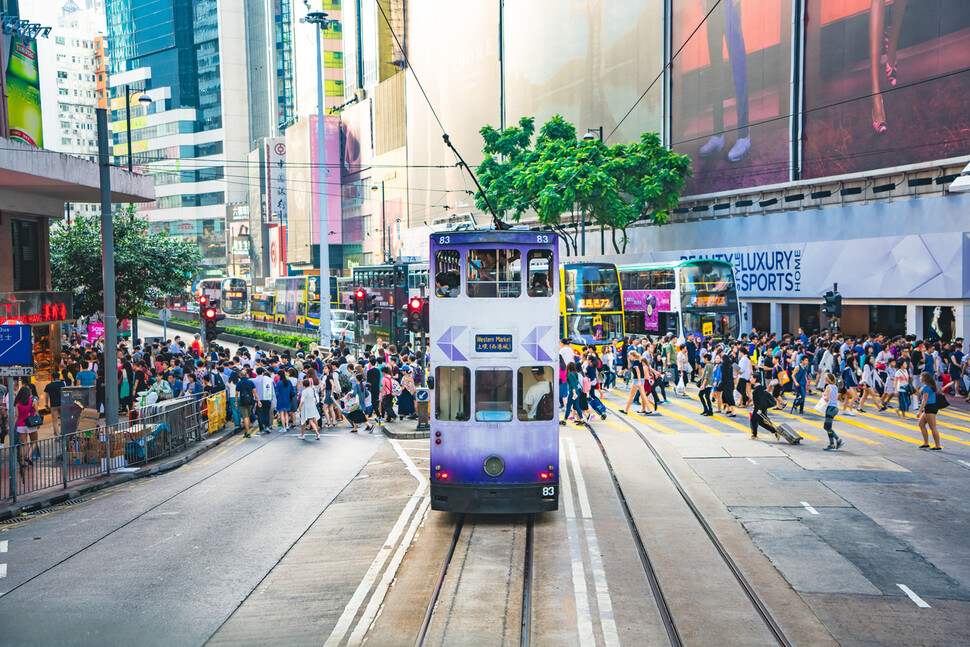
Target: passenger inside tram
(447, 284)
(536, 382)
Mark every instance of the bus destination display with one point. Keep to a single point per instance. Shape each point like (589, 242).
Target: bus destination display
(493, 343)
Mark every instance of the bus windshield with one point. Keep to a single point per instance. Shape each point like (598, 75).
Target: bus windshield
(706, 277)
(590, 328)
(234, 296)
(591, 288)
(711, 324)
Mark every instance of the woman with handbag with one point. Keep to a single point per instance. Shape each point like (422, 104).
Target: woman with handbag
(929, 404)
(903, 388)
(28, 420)
(352, 406)
(829, 403)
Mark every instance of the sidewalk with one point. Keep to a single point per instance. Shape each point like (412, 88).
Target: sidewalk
(56, 495)
(402, 429)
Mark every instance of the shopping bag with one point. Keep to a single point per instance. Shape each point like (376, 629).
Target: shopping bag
(680, 389)
(820, 406)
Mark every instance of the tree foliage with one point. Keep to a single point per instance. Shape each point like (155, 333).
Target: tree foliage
(148, 266)
(559, 175)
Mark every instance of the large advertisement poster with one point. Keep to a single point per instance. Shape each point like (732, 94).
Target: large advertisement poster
(886, 83)
(731, 91)
(23, 91)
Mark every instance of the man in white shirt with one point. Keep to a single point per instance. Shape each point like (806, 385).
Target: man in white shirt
(264, 391)
(744, 379)
(566, 352)
(534, 395)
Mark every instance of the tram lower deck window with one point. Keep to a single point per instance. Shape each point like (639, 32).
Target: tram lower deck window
(452, 386)
(536, 393)
(493, 395)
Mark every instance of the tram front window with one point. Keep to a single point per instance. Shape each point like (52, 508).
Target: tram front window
(493, 395)
(596, 326)
(494, 273)
(447, 280)
(452, 398)
(540, 273)
(535, 393)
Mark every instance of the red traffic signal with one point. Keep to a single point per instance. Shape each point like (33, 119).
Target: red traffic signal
(203, 300)
(360, 294)
(360, 301)
(210, 313)
(417, 315)
(415, 303)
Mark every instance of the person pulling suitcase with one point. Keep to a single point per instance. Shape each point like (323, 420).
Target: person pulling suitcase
(759, 417)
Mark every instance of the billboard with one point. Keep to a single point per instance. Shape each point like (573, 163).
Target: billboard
(730, 96)
(886, 83)
(328, 187)
(23, 91)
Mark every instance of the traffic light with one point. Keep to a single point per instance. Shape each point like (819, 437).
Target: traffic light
(211, 316)
(418, 314)
(203, 302)
(360, 301)
(833, 305)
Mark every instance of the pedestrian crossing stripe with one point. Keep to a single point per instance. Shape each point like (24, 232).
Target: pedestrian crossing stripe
(643, 419)
(732, 423)
(868, 441)
(902, 423)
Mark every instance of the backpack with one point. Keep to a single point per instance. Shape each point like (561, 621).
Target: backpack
(396, 388)
(544, 411)
(344, 382)
(218, 382)
(246, 398)
(586, 384)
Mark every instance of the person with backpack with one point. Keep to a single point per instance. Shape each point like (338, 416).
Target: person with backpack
(388, 387)
(573, 387)
(284, 397)
(246, 398)
(762, 401)
(538, 400)
(930, 402)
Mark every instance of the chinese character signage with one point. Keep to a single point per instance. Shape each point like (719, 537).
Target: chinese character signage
(276, 180)
(37, 308)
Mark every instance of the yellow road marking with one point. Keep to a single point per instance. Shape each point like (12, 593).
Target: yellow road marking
(643, 419)
(819, 425)
(875, 430)
(905, 425)
(733, 423)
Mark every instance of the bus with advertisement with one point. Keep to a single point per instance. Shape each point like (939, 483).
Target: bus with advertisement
(296, 301)
(590, 304)
(689, 297)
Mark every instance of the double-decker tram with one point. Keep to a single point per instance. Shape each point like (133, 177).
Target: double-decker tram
(495, 423)
(591, 304)
(388, 288)
(690, 297)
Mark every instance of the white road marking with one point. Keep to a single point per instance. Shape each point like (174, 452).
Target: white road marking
(419, 500)
(375, 463)
(3, 546)
(584, 620)
(3, 570)
(920, 602)
(753, 461)
(607, 622)
(964, 463)
(808, 507)
(363, 476)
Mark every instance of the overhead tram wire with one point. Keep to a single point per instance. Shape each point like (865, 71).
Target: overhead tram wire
(499, 224)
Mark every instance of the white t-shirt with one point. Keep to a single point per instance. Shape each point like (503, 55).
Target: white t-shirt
(534, 394)
(567, 354)
(744, 365)
(264, 387)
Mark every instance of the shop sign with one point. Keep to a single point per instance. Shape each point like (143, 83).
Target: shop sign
(38, 308)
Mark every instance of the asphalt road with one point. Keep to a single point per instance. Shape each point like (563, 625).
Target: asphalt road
(166, 560)
(148, 329)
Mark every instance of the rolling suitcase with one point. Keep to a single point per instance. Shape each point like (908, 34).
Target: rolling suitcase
(598, 406)
(788, 434)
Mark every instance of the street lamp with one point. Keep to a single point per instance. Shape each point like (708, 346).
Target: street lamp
(144, 99)
(320, 18)
(385, 233)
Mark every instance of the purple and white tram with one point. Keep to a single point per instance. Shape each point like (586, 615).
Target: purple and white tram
(494, 311)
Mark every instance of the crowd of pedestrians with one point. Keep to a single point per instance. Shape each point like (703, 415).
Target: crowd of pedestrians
(911, 376)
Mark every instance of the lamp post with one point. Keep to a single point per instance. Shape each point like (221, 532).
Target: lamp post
(144, 99)
(385, 233)
(108, 272)
(319, 18)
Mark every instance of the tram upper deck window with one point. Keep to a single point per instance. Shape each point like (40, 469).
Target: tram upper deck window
(536, 393)
(452, 387)
(493, 395)
(447, 278)
(540, 273)
(494, 273)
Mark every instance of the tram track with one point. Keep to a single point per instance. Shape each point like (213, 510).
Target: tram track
(435, 605)
(666, 616)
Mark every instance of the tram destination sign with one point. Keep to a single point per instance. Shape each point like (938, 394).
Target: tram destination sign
(493, 343)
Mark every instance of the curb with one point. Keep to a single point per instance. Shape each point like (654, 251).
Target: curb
(148, 470)
(403, 435)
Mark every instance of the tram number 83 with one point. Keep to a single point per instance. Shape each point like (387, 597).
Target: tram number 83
(549, 491)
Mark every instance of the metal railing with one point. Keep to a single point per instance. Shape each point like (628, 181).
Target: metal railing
(159, 430)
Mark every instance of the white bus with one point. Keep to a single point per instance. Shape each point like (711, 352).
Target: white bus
(697, 296)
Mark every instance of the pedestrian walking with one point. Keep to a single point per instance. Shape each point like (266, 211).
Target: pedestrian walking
(904, 390)
(928, 397)
(637, 377)
(308, 409)
(830, 396)
(706, 386)
(284, 396)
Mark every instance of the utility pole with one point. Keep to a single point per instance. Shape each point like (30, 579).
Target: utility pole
(319, 20)
(108, 270)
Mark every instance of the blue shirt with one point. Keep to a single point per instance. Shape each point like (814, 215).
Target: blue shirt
(931, 392)
(86, 378)
(176, 388)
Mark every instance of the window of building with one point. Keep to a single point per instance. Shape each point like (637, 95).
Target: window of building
(494, 273)
(26, 255)
(452, 386)
(540, 273)
(493, 395)
(535, 389)
(447, 280)
(59, 40)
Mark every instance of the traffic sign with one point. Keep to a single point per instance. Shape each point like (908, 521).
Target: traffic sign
(164, 314)
(15, 346)
(16, 371)
(423, 395)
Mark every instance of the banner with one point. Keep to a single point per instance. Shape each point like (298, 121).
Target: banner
(216, 408)
(23, 92)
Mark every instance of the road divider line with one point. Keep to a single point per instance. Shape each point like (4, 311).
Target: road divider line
(387, 550)
(3, 570)
(582, 494)
(808, 507)
(752, 461)
(964, 463)
(3, 546)
(920, 602)
(584, 619)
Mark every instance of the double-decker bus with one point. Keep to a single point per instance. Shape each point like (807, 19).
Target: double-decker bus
(691, 297)
(390, 287)
(235, 296)
(262, 307)
(211, 288)
(590, 304)
(297, 301)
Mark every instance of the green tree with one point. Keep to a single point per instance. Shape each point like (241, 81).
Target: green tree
(559, 175)
(148, 266)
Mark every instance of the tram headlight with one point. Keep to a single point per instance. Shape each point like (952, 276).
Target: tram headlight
(494, 466)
